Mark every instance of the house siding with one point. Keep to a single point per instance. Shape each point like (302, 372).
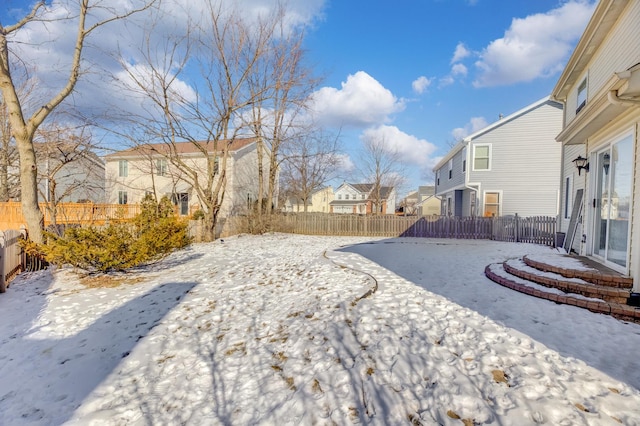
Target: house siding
(457, 176)
(526, 170)
(619, 50)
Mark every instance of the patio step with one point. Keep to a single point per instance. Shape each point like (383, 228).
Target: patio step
(579, 267)
(604, 299)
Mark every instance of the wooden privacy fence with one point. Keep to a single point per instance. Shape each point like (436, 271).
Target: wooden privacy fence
(12, 257)
(66, 213)
(538, 230)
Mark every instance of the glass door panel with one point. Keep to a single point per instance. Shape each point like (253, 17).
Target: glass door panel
(620, 170)
(612, 202)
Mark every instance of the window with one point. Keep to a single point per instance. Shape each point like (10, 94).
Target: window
(346, 196)
(491, 204)
(123, 169)
(450, 168)
(582, 96)
(122, 197)
(437, 177)
(339, 196)
(464, 160)
(364, 196)
(181, 200)
(481, 157)
(161, 167)
(567, 198)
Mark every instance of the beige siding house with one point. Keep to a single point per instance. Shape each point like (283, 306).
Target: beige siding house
(600, 88)
(510, 167)
(151, 169)
(319, 203)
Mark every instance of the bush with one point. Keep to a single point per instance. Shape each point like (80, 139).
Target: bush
(151, 235)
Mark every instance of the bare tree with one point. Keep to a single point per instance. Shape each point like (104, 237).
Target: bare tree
(309, 163)
(380, 164)
(68, 168)
(281, 87)
(24, 127)
(225, 49)
(8, 157)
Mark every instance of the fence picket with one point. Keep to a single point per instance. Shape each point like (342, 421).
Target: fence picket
(538, 230)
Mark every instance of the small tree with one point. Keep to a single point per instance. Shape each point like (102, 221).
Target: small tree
(380, 165)
(309, 163)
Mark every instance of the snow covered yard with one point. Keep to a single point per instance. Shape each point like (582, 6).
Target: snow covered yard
(284, 329)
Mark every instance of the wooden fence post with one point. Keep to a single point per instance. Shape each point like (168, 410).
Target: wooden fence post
(3, 283)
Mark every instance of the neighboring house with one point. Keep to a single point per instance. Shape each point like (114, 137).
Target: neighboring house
(319, 202)
(148, 169)
(358, 198)
(600, 88)
(510, 167)
(428, 203)
(408, 205)
(69, 172)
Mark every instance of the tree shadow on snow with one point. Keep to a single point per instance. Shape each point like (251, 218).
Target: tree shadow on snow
(71, 367)
(569, 330)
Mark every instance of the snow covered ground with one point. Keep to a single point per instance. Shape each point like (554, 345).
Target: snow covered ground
(283, 329)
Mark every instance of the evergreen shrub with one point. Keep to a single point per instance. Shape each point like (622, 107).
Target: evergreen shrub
(152, 234)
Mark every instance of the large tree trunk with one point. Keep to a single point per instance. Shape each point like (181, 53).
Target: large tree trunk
(29, 185)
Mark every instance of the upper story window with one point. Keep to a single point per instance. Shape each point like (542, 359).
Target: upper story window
(161, 167)
(339, 196)
(346, 196)
(464, 160)
(450, 168)
(123, 168)
(481, 157)
(437, 177)
(582, 96)
(364, 196)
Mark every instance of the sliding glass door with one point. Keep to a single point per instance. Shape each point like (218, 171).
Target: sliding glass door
(612, 202)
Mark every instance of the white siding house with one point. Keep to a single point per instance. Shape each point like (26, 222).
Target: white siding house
(356, 198)
(600, 88)
(510, 167)
(151, 169)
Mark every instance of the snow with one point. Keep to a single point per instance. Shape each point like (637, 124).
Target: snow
(285, 329)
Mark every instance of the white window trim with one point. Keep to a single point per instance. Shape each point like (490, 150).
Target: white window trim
(580, 105)
(473, 159)
(500, 202)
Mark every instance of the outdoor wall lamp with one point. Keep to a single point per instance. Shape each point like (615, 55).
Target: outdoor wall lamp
(581, 163)
(606, 162)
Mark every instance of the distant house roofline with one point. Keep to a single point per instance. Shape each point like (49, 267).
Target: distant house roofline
(185, 147)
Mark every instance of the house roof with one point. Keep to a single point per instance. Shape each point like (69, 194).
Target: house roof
(184, 147)
(603, 19)
(501, 122)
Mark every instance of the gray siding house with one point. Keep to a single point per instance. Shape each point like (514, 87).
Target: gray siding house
(510, 167)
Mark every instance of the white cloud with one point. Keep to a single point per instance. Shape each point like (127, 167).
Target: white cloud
(475, 124)
(47, 46)
(411, 150)
(533, 47)
(446, 81)
(360, 101)
(421, 84)
(459, 69)
(460, 53)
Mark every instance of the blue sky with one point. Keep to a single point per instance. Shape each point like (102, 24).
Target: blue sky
(419, 74)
